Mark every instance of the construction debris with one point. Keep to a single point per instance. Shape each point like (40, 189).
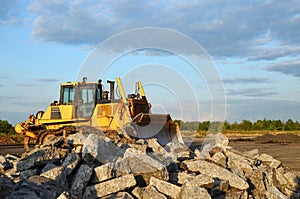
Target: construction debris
(91, 166)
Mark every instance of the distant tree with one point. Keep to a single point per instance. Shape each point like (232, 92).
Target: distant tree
(257, 125)
(215, 126)
(6, 127)
(278, 124)
(245, 125)
(289, 125)
(235, 126)
(203, 126)
(265, 124)
(297, 125)
(190, 126)
(226, 126)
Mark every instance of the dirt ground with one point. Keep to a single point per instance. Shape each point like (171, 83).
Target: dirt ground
(283, 147)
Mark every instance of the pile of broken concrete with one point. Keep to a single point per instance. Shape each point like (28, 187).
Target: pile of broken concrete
(93, 166)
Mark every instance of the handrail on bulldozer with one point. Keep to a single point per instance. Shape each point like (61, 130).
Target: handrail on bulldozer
(121, 90)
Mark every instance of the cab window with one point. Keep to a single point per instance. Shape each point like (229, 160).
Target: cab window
(68, 95)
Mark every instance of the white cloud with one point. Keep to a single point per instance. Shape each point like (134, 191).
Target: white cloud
(224, 28)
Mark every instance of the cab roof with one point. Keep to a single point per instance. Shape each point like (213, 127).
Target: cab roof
(77, 83)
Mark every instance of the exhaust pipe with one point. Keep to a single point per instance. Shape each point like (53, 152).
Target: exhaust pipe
(111, 89)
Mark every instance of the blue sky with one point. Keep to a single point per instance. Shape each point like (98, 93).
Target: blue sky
(254, 45)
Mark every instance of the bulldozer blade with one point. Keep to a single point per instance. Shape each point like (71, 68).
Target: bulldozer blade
(159, 126)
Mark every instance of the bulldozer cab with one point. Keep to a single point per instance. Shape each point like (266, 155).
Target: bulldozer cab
(85, 95)
(82, 96)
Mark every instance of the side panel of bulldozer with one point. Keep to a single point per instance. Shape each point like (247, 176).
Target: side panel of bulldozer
(110, 116)
(57, 116)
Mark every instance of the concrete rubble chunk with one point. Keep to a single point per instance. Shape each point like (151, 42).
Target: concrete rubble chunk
(55, 141)
(103, 173)
(81, 179)
(217, 140)
(109, 187)
(155, 146)
(10, 158)
(139, 147)
(76, 139)
(219, 158)
(237, 194)
(140, 164)
(292, 179)
(200, 180)
(23, 194)
(66, 195)
(191, 191)
(40, 156)
(6, 186)
(4, 164)
(165, 188)
(216, 171)
(221, 141)
(120, 195)
(292, 193)
(48, 167)
(212, 144)
(265, 157)
(167, 159)
(178, 149)
(220, 186)
(268, 176)
(275, 163)
(236, 161)
(251, 154)
(70, 162)
(56, 173)
(101, 149)
(13, 175)
(183, 177)
(148, 192)
(140, 141)
(43, 187)
(278, 179)
(198, 154)
(274, 193)
(257, 185)
(28, 173)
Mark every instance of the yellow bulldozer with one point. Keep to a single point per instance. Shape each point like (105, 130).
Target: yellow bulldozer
(88, 104)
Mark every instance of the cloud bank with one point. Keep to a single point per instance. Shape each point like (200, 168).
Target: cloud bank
(225, 28)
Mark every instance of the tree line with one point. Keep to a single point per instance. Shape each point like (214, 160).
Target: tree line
(6, 127)
(245, 125)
